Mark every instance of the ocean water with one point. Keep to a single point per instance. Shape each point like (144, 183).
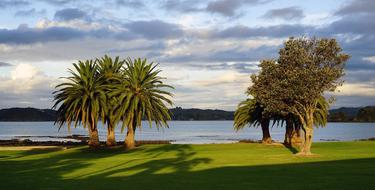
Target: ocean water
(184, 132)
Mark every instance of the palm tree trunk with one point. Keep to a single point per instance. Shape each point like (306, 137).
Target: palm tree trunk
(292, 135)
(111, 140)
(93, 137)
(288, 133)
(129, 140)
(266, 131)
(296, 138)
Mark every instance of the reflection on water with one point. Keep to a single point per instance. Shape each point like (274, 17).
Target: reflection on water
(184, 132)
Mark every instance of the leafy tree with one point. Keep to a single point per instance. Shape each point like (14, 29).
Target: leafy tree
(305, 69)
(250, 113)
(110, 70)
(141, 94)
(82, 99)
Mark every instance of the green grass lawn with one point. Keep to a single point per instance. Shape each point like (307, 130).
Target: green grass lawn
(337, 165)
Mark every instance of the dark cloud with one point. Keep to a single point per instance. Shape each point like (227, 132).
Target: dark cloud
(230, 7)
(359, 76)
(224, 7)
(25, 35)
(357, 40)
(359, 49)
(357, 6)
(355, 34)
(283, 30)
(352, 24)
(30, 12)
(181, 5)
(134, 30)
(3, 64)
(240, 67)
(363, 46)
(69, 14)
(231, 55)
(130, 3)
(155, 29)
(13, 3)
(152, 47)
(227, 8)
(58, 2)
(240, 55)
(288, 13)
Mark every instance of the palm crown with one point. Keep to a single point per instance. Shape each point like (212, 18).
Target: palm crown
(110, 69)
(82, 98)
(141, 94)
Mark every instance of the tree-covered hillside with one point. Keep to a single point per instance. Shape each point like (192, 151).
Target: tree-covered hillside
(27, 114)
(365, 114)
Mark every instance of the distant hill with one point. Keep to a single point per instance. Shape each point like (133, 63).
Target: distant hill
(33, 114)
(350, 112)
(27, 114)
(200, 114)
(366, 114)
(362, 114)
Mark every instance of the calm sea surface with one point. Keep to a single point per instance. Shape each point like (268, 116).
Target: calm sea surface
(185, 132)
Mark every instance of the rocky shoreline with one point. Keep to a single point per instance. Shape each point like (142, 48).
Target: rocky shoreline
(71, 140)
(28, 142)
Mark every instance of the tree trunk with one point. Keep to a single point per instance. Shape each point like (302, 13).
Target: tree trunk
(111, 140)
(129, 139)
(288, 133)
(292, 135)
(308, 130)
(296, 138)
(266, 131)
(93, 137)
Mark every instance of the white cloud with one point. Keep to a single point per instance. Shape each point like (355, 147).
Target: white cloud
(25, 72)
(203, 88)
(370, 59)
(27, 86)
(356, 89)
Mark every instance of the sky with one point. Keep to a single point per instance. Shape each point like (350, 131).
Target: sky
(206, 49)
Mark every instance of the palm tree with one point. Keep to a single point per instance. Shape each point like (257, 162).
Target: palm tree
(321, 113)
(141, 94)
(82, 99)
(250, 113)
(110, 70)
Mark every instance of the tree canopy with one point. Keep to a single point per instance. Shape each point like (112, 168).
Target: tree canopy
(293, 83)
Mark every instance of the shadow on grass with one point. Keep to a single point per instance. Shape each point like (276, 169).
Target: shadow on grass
(172, 167)
(291, 148)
